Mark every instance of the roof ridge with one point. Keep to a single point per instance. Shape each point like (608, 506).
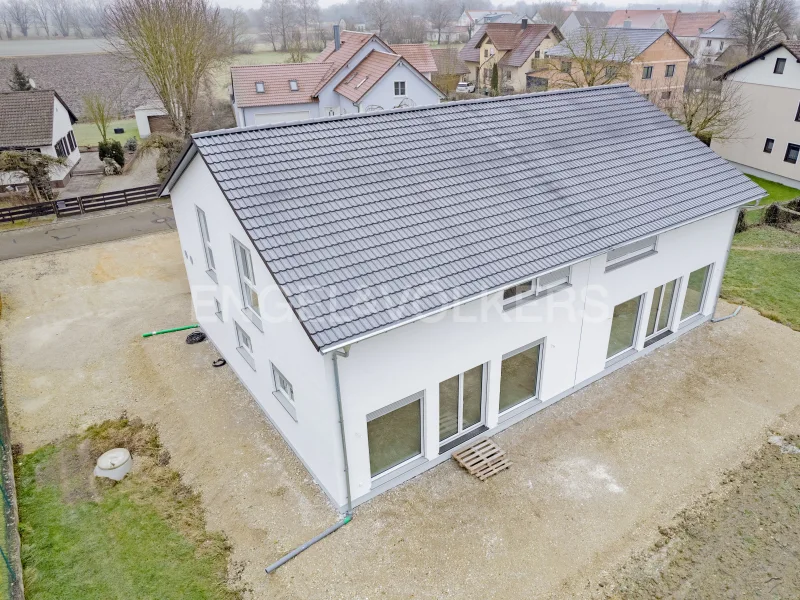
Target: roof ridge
(586, 90)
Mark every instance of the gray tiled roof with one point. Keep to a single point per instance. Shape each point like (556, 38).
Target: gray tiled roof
(367, 221)
(617, 39)
(26, 119)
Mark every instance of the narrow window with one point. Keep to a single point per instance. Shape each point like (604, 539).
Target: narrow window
(201, 218)
(566, 66)
(623, 327)
(780, 64)
(797, 114)
(293, 85)
(555, 280)
(792, 150)
(769, 145)
(537, 54)
(695, 292)
(661, 309)
(519, 376)
(247, 280)
(630, 252)
(244, 346)
(218, 310)
(461, 403)
(670, 71)
(394, 434)
(259, 87)
(721, 45)
(647, 73)
(283, 392)
(485, 53)
(708, 44)
(399, 88)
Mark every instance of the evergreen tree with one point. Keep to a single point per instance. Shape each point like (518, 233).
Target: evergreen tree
(19, 81)
(495, 80)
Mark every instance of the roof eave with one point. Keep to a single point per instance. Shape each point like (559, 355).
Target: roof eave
(187, 154)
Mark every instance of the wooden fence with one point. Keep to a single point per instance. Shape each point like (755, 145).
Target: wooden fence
(80, 204)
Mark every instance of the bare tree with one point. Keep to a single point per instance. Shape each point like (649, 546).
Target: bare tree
(5, 20)
(41, 14)
(380, 14)
(176, 43)
(20, 13)
(92, 13)
(308, 13)
(592, 57)
(281, 17)
(61, 12)
(552, 12)
(409, 28)
(441, 13)
(238, 24)
(100, 109)
(296, 48)
(707, 108)
(761, 23)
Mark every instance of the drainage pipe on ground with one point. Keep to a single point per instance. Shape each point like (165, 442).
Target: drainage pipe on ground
(730, 316)
(349, 514)
(152, 333)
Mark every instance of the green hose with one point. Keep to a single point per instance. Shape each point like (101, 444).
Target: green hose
(152, 333)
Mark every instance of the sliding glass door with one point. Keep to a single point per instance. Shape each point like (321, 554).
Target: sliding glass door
(661, 309)
(461, 403)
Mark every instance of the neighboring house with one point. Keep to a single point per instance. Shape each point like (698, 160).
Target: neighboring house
(731, 56)
(705, 34)
(585, 18)
(449, 35)
(471, 19)
(656, 61)
(38, 120)
(151, 117)
(387, 294)
(450, 69)
(768, 143)
(643, 19)
(517, 49)
(357, 72)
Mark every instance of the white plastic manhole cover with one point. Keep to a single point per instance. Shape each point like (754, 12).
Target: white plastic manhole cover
(114, 464)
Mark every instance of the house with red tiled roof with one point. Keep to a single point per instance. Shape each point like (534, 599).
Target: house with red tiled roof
(643, 19)
(357, 72)
(516, 48)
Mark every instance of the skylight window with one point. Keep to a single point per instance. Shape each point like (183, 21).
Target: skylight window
(293, 85)
(259, 87)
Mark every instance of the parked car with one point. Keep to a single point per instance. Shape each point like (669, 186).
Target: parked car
(465, 87)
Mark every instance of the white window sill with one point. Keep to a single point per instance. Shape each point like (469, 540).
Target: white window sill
(287, 404)
(629, 261)
(511, 304)
(621, 356)
(248, 358)
(253, 317)
(213, 275)
(219, 316)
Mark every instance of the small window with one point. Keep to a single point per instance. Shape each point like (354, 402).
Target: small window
(721, 46)
(708, 43)
(538, 286)
(537, 54)
(797, 114)
(244, 345)
(508, 74)
(293, 85)
(520, 372)
(247, 282)
(769, 145)
(566, 66)
(259, 87)
(792, 151)
(647, 73)
(630, 252)
(218, 310)
(670, 71)
(780, 65)
(666, 95)
(282, 385)
(485, 53)
(201, 218)
(399, 88)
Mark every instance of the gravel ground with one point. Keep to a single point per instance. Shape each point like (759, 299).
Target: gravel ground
(593, 477)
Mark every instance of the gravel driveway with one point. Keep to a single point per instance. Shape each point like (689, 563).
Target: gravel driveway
(593, 477)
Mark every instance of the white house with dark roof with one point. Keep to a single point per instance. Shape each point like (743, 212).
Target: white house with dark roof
(38, 120)
(385, 306)
(357, 72)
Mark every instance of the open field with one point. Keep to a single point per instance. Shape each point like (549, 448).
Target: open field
(87, 134)
(593, 478)
(52, 47)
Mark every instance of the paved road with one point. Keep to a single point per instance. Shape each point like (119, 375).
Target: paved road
(55, 47)
(71, 232)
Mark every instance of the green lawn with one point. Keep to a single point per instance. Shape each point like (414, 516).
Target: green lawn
(763, 272)
(89, 538)
(777, 193)
(86, 134)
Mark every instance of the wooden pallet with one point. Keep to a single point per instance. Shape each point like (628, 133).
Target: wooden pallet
(483, 459)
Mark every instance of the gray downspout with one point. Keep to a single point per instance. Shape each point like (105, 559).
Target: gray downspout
(348, 516)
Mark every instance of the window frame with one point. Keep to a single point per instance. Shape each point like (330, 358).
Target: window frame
(780, 66)
(709, 272)
(566, 66)
(647, 72)
(293, 85)
(218, 311)
(263, 89)
(247, 283)
(657, 333)
(633, 255)
(769, 145)
(244, 345)
(789, 148)
(287, 400)
(797, 114)
(396, 87)
(460, 430)
(387, 474)
(636, 330)
(537, 396)
(669, 71)
(205, 238)
(666, 95)
(537, 289)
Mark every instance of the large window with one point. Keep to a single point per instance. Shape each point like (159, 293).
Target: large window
(519, 376)
(695, 292)
(630, 252)
(394, 434)
(539, 286)
(461, 403)
(623, 327)
(201, 218)
(661, 309)
(247, 279)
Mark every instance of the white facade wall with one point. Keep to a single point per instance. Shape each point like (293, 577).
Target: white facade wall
(574, 323)
(261, 115)
(314, 436)
(62, 125)
(382, 93)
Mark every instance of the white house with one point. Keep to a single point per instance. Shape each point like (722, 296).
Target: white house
(768, 144)
(152, 117)
(384, 305)
(357, 72)
(38, 120)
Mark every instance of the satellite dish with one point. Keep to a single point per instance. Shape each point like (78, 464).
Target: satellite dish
(373, 108)
(406, 103)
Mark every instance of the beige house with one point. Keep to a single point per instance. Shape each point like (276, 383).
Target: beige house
(651, 61)
(517, 49)
(768, 142)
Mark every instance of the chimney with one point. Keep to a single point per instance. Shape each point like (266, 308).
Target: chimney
(337, 41)
(524, 24)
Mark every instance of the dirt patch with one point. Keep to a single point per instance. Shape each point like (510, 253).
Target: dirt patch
(738, 542)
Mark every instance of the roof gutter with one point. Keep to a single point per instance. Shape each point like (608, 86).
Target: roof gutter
(494, 290)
